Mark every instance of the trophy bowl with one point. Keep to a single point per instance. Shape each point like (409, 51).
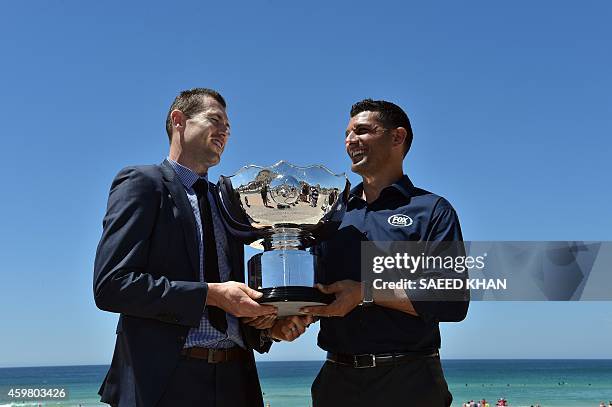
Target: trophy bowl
(283, 209)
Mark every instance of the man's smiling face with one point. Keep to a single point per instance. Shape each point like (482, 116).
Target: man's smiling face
(207, 132)
(367, 143)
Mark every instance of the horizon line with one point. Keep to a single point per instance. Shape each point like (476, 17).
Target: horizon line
(312, 360)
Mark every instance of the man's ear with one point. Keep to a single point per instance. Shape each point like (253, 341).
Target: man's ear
(178, 119)
(399, 136)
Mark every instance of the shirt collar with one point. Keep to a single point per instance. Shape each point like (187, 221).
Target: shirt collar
(187, 176)
(402, 185)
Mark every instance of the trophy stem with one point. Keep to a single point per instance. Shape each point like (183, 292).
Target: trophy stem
(287, 238)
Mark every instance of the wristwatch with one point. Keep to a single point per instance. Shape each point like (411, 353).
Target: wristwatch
(368, 295)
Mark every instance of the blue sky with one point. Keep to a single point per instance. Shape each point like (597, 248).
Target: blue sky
(511, 107)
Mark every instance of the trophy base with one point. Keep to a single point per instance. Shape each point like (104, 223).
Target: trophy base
(288, 300)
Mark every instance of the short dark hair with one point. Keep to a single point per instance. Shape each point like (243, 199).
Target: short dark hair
(190, 102)
(389, 114)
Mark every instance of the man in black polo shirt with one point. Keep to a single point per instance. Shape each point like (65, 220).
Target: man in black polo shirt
(382, 347)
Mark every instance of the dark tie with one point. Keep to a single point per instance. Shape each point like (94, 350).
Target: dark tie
(216, 315)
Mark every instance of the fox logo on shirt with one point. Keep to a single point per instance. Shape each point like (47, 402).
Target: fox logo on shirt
(400, 220)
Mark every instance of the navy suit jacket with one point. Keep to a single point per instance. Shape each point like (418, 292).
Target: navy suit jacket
(147, 269)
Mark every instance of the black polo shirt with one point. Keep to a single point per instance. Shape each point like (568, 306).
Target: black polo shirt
(379, 329)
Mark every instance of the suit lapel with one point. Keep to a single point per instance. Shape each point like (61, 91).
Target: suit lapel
(185, 213)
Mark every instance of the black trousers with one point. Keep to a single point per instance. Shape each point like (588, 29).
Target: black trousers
(198, 383)
(418, 383)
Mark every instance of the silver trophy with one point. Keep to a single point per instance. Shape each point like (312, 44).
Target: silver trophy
(283, 209)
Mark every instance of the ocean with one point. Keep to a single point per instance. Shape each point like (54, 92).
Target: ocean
(577, 383)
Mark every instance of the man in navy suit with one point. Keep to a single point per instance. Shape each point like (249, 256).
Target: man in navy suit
(166, 264)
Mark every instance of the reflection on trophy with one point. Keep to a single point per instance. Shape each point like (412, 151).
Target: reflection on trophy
(283, 209)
